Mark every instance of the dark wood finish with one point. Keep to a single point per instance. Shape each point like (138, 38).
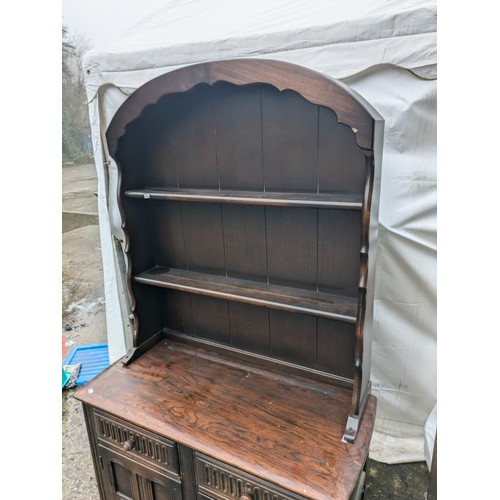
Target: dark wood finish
(250, 327)
(285, 430)
(264, 360)
(219, 480)
(289, 147)
(315, 87)
(128, 479)
(249, 196)
(186, 458)
(89, 424)
(273, 296)
(237, 122)
(307, 200)
(136, 442)
(245, 248)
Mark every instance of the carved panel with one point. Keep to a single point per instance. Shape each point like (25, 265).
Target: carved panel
(159, 451)
(225, 482)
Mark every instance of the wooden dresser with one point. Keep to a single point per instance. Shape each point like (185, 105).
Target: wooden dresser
(249, 196)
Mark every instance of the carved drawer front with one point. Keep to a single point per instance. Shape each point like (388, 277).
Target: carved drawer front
(220, 481)
(137, 442)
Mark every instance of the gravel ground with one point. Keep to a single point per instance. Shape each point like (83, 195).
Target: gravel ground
(83, 322)
(83, 317)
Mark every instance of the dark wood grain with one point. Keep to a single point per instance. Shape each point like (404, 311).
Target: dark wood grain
(339, 246)
(159, 146)
(293, 337)
(335, 347)
(315, 87)
(177, 311)
(290, 138)
(341, 163)
(242, 197)
(203, 237)
(292, 242)
(245, 243)
(148, 313)
(125, 478)
(211, 318)
(260, 360)
(282, 429)
(249, 196)
(196, 154)
(238, 130)
(167, 233)
(220, 480)
(272, 296)
(224, 134)
(249, 327)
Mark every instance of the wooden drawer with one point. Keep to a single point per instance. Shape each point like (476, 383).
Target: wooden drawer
(136, 442)
(220, 481)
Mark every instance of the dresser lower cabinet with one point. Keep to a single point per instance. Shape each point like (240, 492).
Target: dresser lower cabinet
(124, 478)
(132, 463)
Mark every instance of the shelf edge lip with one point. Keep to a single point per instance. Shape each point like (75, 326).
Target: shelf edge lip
(245, 299)
(244, 199)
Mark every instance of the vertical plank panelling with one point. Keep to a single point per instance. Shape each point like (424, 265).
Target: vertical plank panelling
(203, 237)
(245, 241)
(256, 138)
(290, 141)
(293, 337)
(177, 311)
(341, 162)
(292, 246)
(336, 347)
(195, 140)
(160, 150)
(249, 327)
(168, 234)
(211, 318)
(339, 245)
(237, 119)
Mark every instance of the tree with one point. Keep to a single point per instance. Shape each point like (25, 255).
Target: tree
(75, 118)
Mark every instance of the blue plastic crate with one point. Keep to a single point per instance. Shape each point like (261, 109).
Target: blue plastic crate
(94, 359)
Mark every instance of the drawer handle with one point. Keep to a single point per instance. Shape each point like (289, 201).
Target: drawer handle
(245, 496)
(128, 445)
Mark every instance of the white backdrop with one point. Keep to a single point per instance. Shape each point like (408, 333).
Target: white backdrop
(386, 51)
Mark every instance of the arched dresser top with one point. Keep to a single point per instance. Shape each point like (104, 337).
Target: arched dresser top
(350, 108)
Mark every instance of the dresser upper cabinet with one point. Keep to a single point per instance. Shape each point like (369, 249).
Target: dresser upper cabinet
(249, 194)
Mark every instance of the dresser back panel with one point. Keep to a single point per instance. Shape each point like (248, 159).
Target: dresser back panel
(239, 139)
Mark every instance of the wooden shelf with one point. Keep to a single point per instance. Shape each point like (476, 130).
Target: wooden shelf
(307, 200)
(284, 298)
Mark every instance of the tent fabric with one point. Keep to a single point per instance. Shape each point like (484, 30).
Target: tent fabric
(386, 51)
(337, 37)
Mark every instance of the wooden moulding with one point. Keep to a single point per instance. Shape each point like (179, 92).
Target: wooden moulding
(322, 305)
(350, 108)
(313, 200)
